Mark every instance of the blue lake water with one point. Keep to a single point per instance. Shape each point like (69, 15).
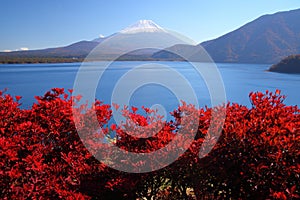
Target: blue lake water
(29, 80)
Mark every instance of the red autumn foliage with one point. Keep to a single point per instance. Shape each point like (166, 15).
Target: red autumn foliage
(43, 157)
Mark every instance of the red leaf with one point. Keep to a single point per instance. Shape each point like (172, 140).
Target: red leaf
(134, 109)
(293, 189)
(113, 127)
(18, 97)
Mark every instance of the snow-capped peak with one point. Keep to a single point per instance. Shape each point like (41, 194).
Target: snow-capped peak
(142, 26)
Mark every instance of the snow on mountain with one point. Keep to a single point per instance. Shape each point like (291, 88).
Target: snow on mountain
(142, 26)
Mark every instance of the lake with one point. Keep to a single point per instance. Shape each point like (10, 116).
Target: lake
(29, 80)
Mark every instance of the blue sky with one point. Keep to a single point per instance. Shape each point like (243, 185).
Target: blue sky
(35, 24)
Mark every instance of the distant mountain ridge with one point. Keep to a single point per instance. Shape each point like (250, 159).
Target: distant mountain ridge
(78, 49)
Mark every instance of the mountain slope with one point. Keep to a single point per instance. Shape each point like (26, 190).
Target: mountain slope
(265, 40)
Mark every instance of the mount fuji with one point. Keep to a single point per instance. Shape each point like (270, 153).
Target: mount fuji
(138, 41)
(143, 26)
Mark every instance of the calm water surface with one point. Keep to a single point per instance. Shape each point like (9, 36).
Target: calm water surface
(29, 80)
